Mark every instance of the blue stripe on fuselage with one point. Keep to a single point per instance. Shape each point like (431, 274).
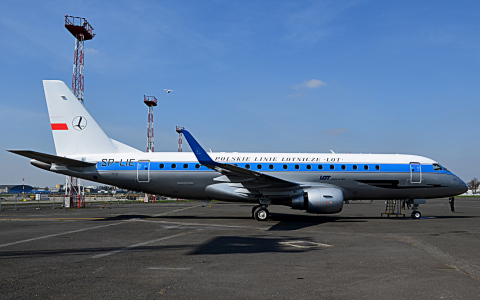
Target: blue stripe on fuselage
(270, 167)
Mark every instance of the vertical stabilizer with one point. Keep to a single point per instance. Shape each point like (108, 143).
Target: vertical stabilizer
(75, 132)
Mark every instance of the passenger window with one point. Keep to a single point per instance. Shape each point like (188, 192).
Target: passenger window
(185, 166)
(332, 167)
(247, 166)
(309, 167)
(377, 167)
(365, 167)
(162, 166)
(259, 167)
(355, 167)
(344, 167)
(270, 167)
(285, 167)
(174, 166)
(297, 167)
(197, 166)
(320, 167)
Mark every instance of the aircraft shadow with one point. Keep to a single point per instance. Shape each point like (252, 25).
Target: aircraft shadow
(215, 246)
(248, 245)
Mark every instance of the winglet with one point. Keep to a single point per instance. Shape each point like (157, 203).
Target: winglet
(199, 152)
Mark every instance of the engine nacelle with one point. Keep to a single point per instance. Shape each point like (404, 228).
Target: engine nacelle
(319, 201)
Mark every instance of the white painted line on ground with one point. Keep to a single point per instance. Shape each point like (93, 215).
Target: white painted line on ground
(59, 234)
(140, 244)
(80, 230)
(165, 268)
(197, 224)
(175, 210)
(304, 244)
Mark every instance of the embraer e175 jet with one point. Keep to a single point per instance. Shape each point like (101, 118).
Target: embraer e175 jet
(317, 183)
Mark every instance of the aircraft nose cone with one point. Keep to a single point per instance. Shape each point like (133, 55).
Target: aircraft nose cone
(462, 186)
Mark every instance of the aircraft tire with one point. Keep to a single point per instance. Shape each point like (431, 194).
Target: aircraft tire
(261, 214)
(254, 209)
(416, 215)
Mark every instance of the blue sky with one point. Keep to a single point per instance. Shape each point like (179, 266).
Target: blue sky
(251, 76)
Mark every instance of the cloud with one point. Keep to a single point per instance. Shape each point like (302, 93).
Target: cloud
(310, 84)
(91, 51)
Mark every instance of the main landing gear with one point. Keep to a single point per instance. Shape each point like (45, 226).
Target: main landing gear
(260, 213)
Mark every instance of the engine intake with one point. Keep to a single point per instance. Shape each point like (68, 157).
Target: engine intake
(319, 201)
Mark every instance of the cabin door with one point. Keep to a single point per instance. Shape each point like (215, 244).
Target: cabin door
(415, 172)
(143, 171)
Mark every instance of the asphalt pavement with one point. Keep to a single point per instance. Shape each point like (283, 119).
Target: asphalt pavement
(186, 251)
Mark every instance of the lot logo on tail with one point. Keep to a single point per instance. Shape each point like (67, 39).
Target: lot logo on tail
(79, 123)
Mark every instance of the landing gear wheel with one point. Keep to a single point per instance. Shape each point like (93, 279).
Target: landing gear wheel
(261, 214)
(253, 210)
(416, 214)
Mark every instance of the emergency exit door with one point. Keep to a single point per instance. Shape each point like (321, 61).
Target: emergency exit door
(143, 171)
(415, 173)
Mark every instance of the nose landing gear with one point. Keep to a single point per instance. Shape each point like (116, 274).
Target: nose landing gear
(415, 203)
(416, 214)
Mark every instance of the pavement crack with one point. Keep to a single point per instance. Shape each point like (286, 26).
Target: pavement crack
(449, 260)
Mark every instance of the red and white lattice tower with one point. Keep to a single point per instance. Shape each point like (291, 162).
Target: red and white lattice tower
(82, 31)
(180, 138)
(151, 102)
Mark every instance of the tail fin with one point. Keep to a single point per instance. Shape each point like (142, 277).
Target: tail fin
(75, 132)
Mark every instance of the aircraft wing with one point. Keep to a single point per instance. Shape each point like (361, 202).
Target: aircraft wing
(52, 159)
(236, 174)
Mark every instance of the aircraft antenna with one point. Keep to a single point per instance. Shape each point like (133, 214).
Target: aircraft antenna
(180, 138)
(82, 31)
(151, 102)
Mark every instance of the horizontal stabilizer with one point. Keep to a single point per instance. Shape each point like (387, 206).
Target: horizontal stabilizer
(52, 159)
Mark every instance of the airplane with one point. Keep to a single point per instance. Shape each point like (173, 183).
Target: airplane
(317, 183)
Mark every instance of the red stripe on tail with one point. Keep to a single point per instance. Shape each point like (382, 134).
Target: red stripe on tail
(59, 126)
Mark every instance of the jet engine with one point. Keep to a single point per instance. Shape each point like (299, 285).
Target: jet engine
(319, 201)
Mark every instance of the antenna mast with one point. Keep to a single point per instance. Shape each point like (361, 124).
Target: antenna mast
(82, 31)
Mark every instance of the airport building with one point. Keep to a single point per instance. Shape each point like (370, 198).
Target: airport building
(16, 189)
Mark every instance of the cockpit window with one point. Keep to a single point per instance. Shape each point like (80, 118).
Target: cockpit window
(437, 167)
(444, 168)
